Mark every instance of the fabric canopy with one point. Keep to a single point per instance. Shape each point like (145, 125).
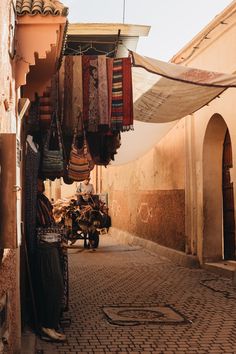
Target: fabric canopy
(179, 91)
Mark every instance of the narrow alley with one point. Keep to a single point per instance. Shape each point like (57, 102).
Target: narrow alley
(118, 293)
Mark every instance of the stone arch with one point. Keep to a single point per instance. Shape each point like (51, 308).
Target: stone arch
(212, 189)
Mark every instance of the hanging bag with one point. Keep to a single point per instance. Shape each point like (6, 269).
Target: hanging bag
(53, 161)
(78, 167)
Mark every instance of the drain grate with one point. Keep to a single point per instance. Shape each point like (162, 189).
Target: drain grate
(126, 315)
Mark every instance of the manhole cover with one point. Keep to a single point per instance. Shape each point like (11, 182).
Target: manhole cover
(142, 315)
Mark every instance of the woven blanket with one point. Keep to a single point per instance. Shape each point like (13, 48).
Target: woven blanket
(127, 95)
(73, 93)
(103, 91)
(122, 99)
(117, 95)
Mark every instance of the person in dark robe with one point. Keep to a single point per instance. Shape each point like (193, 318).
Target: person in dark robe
(49, 272)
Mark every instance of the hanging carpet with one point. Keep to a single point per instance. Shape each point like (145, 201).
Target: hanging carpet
(165, 92)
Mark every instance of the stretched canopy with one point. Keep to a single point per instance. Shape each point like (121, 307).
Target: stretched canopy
(165, 92)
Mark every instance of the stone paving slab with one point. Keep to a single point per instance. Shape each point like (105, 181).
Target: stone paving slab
(119, 275)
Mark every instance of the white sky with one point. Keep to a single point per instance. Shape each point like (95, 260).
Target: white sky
(173, 24)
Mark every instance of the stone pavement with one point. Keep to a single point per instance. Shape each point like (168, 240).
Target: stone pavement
(114, 293)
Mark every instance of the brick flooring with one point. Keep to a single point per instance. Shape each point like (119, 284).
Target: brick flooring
(123, 275)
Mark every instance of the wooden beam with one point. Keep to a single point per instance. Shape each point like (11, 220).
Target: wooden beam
(106, 29)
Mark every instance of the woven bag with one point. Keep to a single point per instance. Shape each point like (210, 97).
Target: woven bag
(80, 161)
(78, 168)
(53, 161)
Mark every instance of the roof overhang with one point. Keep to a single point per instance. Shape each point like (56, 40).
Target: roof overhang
(103, 37)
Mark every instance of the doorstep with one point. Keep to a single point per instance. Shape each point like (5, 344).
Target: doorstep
(223, 268)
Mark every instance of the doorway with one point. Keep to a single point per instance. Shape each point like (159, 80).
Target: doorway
(228, 201)
(212, 222)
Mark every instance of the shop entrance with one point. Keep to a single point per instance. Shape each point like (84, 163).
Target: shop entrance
(228, 201)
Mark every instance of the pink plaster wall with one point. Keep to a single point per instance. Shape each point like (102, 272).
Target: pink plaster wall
(9, 270)
(146, 197)
(7, 82)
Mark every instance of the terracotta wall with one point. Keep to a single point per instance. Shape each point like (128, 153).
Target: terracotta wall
(9, 268)
(7, 83)
(173, 194)
(146, 197)
(203, 192)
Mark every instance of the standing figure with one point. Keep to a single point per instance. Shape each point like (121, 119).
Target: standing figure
(84, 192)
(49, 272)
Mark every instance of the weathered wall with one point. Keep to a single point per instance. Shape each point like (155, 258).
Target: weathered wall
(146, 197)
(204, 192)
(9, 267)
(9, 285)
(173, 194)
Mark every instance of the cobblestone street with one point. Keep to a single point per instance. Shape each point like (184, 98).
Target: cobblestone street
(130, 280)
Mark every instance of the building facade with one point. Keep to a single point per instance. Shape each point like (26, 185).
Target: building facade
(181, 193)
(31, 34)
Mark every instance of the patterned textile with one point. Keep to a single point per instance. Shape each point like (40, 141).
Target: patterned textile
(78, 167)
(85, 65)
(31, 173)
(63, 254)
(44, 216)
(117, 95)
(90, 93)
(103, 91)
(93, 117)
(67, 121)
(122, 98)
(127, 95)
(101, 88)
(77, 93)
(109, 86)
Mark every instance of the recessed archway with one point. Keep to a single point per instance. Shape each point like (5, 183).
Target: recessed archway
(212, 189)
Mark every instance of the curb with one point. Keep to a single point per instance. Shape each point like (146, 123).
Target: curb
(177, 257)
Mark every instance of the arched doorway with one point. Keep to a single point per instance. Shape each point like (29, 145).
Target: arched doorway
(228, 200)
(213, 212)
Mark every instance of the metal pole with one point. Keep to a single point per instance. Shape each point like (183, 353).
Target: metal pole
(124, 11)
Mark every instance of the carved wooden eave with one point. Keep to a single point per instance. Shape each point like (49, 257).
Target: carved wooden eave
(39, 41)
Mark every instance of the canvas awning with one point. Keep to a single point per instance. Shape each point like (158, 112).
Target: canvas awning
(164, 92)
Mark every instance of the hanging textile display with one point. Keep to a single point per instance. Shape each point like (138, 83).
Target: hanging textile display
(99, 88)
(180, 90)
(95, 93)
(102, 89)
